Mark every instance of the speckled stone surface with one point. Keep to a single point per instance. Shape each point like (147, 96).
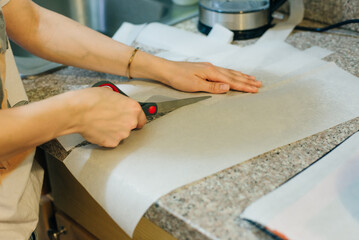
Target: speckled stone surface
(210, 208)
(331, 11)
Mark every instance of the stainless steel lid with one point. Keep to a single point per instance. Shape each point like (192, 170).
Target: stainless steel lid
(237, 15)
(235, 6)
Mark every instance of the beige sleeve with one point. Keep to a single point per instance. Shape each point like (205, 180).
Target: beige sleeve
(3, 2)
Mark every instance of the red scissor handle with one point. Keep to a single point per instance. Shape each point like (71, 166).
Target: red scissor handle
(150, 108)
(109, 85)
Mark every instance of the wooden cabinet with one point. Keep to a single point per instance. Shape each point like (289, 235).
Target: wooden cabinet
(71, 229)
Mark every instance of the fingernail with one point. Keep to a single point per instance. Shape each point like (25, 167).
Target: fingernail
(224, 87)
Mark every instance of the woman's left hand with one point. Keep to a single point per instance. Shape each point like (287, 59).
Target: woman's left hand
(205, 77)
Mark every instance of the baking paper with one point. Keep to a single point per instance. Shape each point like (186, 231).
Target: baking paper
(319, 203)
(188, 44)
(282, 30)
(317, 52)
(182, 42)
(220, 34)
(200, 139)
(70, 141)
(301, 95)
(128, 33)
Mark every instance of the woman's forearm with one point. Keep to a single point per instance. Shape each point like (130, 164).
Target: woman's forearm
(60, 39)
(100, 115)
(31, 125)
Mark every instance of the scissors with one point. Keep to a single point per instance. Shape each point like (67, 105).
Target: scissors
(155, 109)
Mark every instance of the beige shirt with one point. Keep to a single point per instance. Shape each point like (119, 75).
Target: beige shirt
(20, 177)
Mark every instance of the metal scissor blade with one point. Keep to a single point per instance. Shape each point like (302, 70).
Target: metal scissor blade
(168, 106)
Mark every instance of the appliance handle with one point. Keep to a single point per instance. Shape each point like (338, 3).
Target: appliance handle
(275, 4)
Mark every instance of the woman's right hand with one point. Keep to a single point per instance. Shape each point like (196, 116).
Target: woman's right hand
(105, 117)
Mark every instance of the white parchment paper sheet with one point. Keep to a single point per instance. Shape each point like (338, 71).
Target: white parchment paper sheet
(301, 96)
(201, 139)
(320, 203)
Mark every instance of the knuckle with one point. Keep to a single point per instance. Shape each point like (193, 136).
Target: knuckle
(124, 135)
(135, 106)
(108, 143)
(132, 124)
(210, 66)
(207, 65)
(230, 80)
(212, 87)
(102, 143)
(113, 144)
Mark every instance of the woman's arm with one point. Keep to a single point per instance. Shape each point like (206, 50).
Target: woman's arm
(100, 115)
(60, 39)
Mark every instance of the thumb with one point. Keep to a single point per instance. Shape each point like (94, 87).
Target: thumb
(141, 120)
(213, 87)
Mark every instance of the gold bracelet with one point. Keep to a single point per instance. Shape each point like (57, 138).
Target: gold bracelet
(129, 63)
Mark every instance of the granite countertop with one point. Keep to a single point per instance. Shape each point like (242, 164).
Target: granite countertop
(210, 208)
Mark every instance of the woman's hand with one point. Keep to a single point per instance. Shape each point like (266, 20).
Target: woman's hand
(106, 117)
(100, 115)
(194, 77)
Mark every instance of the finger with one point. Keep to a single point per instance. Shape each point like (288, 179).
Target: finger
(234, 72)
(245, 88)
(236, 82)
(235, 79)
(109, 143)
(240, 81)
(244, 84)
(141, 119)
(213, 87)
(123, 135)
(248, 79)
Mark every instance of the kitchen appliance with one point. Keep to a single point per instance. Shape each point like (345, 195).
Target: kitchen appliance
(246, 18)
